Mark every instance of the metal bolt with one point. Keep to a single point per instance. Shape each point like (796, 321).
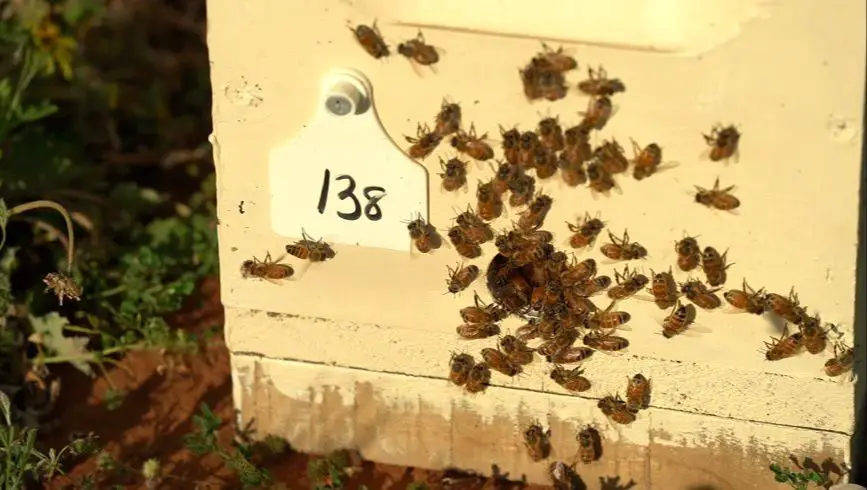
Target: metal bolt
(339, 105)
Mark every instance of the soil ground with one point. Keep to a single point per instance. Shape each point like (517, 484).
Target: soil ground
(158, 410)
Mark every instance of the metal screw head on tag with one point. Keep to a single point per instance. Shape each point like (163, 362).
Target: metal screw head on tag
(346, 95)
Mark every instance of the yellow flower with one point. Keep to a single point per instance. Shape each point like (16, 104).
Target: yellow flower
(58, 48)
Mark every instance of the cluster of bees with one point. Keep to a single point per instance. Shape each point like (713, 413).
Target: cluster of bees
(274, 271)
(417, 50)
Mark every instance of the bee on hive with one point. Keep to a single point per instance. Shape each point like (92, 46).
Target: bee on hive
(842, 362)
(478, 379)
(680, 318)
(418, 51)
(622, 248)
(588, 440)
(585, 233)
(688, 253)
(721, 199)
(598, 83)
(537, 441)
(611, 156)
(700, 295)
(746, 299)
(448, 119)
(714, 266)
(371, 40)
(311, 250)
(785, 346)
(424, 143)
(616, 409)
(723, 142)
(461, 277)
(268, 269)
(570, 380)
(498, 361)
(459, 368)
(511, 140)
(551, 134)
(468, 143)
(638, 393)
(424, 236)
(454, 174)
(599, 111)
(489, 202)
(628, 283)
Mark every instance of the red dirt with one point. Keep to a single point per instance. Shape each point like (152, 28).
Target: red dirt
(158, 410)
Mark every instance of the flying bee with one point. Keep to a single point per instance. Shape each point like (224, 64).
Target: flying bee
(468, 143)
(598, 83)
(474, 227)
(454, 174)
(570, 379)
(611, 156)
(721, 199)
(498, 361)
(477, 331)
(534, 216)
(511, 140)
(584, 234)
(490, 204)
(628, 283)
(459, 368)
(723, 142)
(616, 409)
(588, 439)
(678, 320)
(424, 236)
(700, 295)
(688, 253)
(551, 134)
(599, 111)
(527, 145)
(815, 337)
(481, 313)
(599, 179)
(424, 143)
(605, 341)
(638, 393)
(268, 269)
(480, 376)
(842, 362)
(464, 246)
(579, 272)
(555, 60)
(646, 161)
(419, 51)
(746, 299)
(545, 162)
(448, 119)
(461, 277)
(663, 288)
(785, 346)
(572, 171)
(505, 175)
(622, 248)
(570, 355)
(592, 286)
(371, 40)
(516, 349)
(522, 188)
(607, 319)
(537, 441)
(309, 249)
(788, 308)
(714, 266)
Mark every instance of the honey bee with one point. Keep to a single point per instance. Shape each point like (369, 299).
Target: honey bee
(480, 376)
(461, 277)
(516, 349)
(723, 142)
(459, 368)
(787, 308)
(371, 40)
(500, 362)
(464, 246)
(562, 339)
(746, 299)
(714, 266)
(587, 441)
(721, 199)
(699, 294)
(481, 313)
(425, 142)
(688, 253)
(570, 380)
(598, 83)
(678, 320)
(527, 145)
(511, 140)
(785, 346)
(557, 61)
(448, 119)
(592, 286)
(468, 143)
(537, 441)
(611, 156)
(599, 179)
(638, 393)
(534, 216)
(576, 142)
(578, 272)
(551, 134)
(562, 476)
(545, 163)
(477, 331)
(599, 111)
(474, 227)
(424, 235)
(628, 283)
(605, 341)
(570, 355)
(616, 409)
(490, 204)
(608, 319)
(815, 337)
(309, 249)
(646, 161)
(842, 362)
(663, 288)
(454, 174)
(419, 51)
(573, 172)
(622, 248)
(268, 269)
(584, 234)
(505, 175)
(522, 188)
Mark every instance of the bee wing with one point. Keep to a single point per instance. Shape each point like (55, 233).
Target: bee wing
(695, 330)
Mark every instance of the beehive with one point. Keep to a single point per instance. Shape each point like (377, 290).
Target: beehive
(354, 351)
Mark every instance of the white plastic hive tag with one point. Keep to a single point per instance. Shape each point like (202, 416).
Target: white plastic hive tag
(342, 178)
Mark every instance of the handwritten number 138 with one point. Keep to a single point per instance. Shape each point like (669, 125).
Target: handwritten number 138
(373, 194)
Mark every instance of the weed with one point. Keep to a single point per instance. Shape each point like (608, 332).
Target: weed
(797, 480)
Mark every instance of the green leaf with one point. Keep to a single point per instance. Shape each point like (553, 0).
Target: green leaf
(51, 327)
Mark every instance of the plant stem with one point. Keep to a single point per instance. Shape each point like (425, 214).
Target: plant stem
(29, 206)
(90, 357)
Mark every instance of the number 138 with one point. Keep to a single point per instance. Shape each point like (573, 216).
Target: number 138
(372, 194)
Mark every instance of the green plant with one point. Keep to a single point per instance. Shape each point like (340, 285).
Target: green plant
(797, 480)
(331, 472)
